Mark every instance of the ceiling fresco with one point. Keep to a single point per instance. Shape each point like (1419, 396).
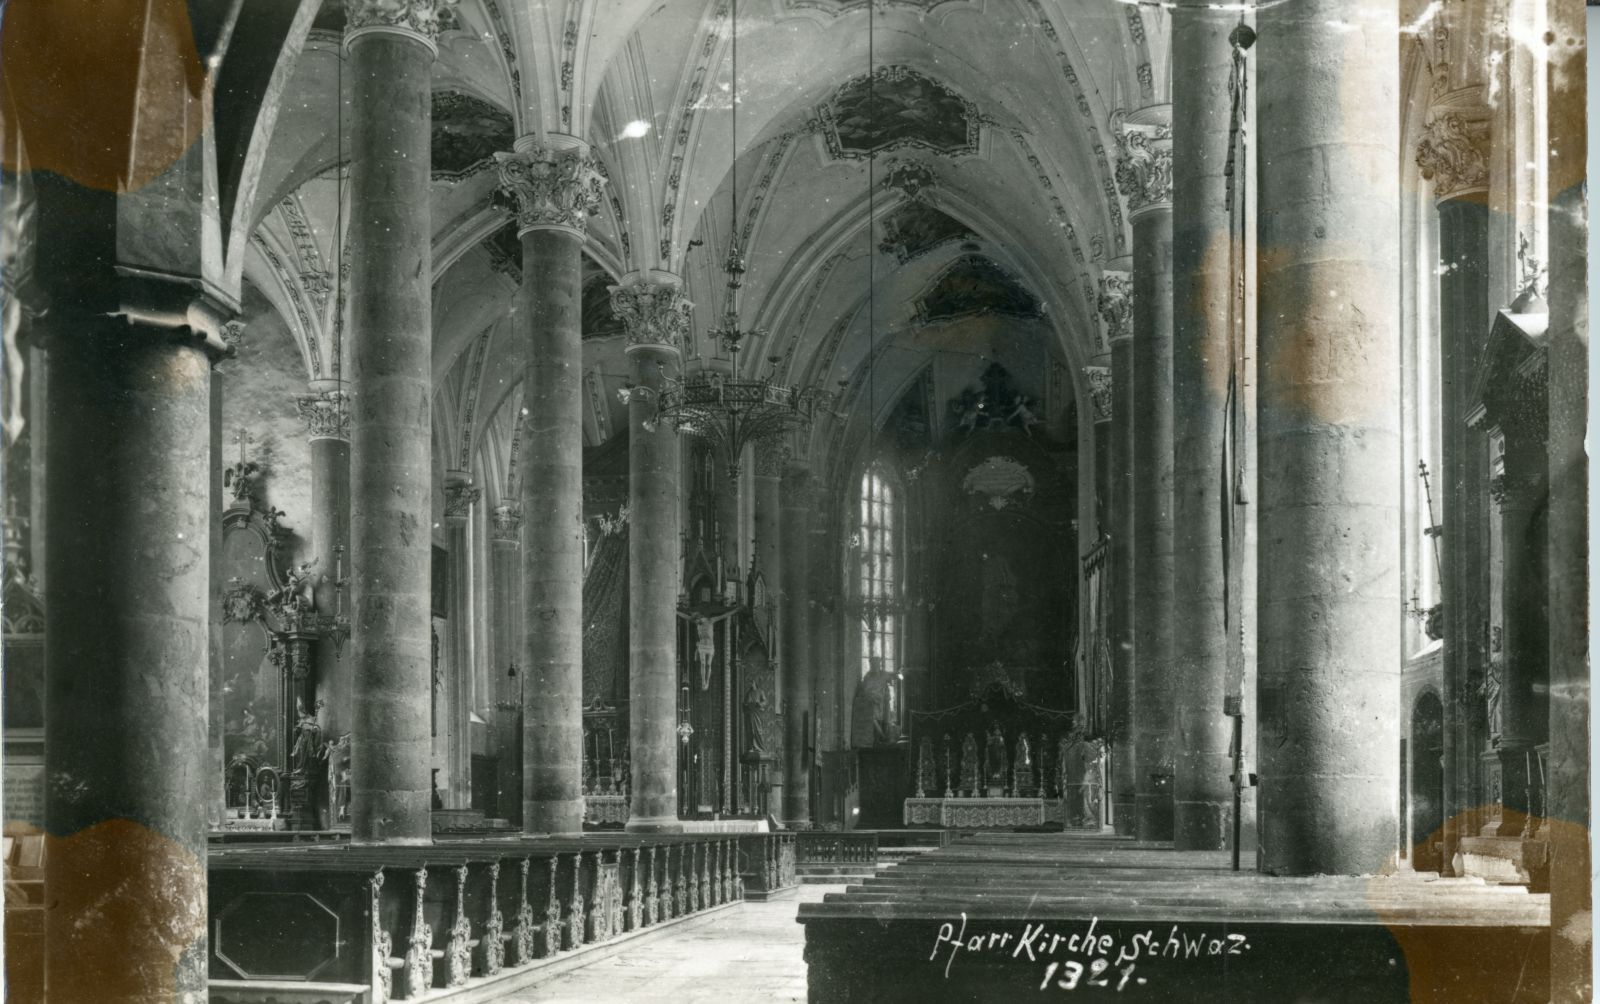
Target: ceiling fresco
(974, 285)
(916, 228)
(466, 133)
(895, 107)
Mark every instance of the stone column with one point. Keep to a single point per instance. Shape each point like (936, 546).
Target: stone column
(656, 317)
(1454, 155)
(126, 668)
(1571, 895)
(1144, 173)
(771, 459)
(459, 498)
(326, 412)
(1329, 406)
(554, 186)
(391, 52)
(797, 670)
(1116, 306)
(1202, 243)
(506, 651)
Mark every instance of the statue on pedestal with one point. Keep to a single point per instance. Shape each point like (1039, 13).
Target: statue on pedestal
(871, 717)
(758, 720)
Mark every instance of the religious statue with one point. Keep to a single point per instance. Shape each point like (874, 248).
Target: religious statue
(969, 766)
(871, 718)
(758, 720)
(994, 760)
(1022, 784)
(1489, 690)
(705, 649)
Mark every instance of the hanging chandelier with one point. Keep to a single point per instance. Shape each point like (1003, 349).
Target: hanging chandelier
(725, 408)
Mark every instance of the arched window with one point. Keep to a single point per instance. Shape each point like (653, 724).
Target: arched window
(880, 573)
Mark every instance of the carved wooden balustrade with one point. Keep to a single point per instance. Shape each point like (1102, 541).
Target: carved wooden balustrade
(824, 847)
(397, 923)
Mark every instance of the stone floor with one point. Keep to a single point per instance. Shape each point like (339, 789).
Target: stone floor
(752, 953)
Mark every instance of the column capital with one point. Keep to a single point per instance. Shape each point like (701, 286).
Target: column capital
(326, 414)
(185, 309)
(416, 19)
(459, 498)
(1116, 304)
(772, 458)
(1144, 167)
(1454, 152)
(653, 311)
(1099, 380)
(550, 188)
(799, 487)
(507, 525)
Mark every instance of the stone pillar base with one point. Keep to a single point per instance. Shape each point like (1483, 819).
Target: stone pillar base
(655, 824)
(1122, 816)
(1152, 815)
(554, 817)
(1201, 825)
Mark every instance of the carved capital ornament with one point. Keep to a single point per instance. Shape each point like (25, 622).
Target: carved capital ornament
(507, 525)
(327, 415)
(459, 498)
(1116, 304)
(1099, 381)
(1454, 154)
(1144, 167)
(418, 18)
(772, 458)
(654, 314)
(551, 189)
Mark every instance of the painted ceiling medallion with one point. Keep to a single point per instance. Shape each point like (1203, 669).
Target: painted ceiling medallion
(897, 107)
(1000, 481)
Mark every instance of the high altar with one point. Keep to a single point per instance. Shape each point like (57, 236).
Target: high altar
(1032, 767)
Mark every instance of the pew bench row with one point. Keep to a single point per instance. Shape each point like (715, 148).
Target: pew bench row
(401, 923)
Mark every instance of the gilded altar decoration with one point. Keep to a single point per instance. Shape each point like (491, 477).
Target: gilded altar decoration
(550, 189)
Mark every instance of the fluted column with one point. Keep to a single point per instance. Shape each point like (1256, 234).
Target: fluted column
(1329, 407)
(1202, 60)
(797, 669)
(505, 647)
(554, 185)
(391, 51)
(1144, 173)
(125, 655)
(459, 498)
(656, 318)
(1116, 307)
(1454, 155)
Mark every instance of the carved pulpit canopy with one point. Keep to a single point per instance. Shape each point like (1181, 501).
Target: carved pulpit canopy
(1510, 392)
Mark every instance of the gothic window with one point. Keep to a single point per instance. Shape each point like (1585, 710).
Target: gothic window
(879, 572)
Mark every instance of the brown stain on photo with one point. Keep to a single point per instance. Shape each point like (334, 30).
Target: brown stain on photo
(106, 93)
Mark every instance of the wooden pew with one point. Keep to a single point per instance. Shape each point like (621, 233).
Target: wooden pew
(1024, 916)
